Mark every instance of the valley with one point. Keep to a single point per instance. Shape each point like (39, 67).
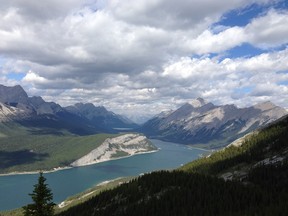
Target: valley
(28, 153)
(31, 153)
(38, 135)
(68, 182)
(83, 141)
(256, 184)
(144, 108)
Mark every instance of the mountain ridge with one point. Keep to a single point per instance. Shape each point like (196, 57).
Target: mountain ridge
(35, 112)
(100, 115)
(205, 123)
(197, 122)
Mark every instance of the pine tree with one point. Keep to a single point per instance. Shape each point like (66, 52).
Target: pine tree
(42, 200)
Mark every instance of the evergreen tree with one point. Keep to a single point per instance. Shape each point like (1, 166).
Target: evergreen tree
(42, 200)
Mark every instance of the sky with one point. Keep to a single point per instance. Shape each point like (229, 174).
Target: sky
(138, 58)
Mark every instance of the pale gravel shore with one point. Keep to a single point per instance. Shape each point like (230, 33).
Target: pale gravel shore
(104, 160)
(36, 171)
(130, 144)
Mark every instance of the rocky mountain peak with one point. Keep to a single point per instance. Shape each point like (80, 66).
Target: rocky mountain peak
(163, 114)
(36, 100)
(99, 115)
(13, 95)
(88, 107)
(204, 123)
(267, 105)
(199, 102)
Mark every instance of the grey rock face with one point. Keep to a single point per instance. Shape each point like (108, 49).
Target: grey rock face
(13, 95)
(200, 122)
(16, 97)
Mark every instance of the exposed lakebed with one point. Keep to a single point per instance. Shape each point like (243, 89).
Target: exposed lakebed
(14, 189)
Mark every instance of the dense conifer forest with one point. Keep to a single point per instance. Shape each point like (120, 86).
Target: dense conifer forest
(198, 189)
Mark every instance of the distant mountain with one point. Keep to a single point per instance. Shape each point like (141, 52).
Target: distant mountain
(200, 122)
(100, 116)
(16, 97)
(48, 117)
(13, 95)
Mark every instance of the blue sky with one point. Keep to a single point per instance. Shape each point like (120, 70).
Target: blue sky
(138, 58)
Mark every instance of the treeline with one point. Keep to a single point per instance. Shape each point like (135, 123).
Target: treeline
(195, 189)
(180, 193)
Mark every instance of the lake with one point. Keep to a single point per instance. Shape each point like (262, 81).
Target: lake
(14, 189)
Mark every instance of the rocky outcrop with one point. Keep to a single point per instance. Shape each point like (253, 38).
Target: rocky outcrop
(6, 112)
(111, 148)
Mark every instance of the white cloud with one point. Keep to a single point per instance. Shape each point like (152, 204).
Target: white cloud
(269, 30)
(217, 80)
(184, 14)
(208, 42)
(42, 10)
(33, 77)
(266, 62)
(134, 56)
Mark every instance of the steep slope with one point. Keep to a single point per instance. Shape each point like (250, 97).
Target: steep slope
(7, 112)
(13, 95)
(261, 147)
(259, 165)
(200, 122)
(100, 116)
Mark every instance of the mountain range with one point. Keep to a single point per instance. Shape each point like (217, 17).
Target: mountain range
(49, 117)
(198, 122)
(100, 116)
(201, 122)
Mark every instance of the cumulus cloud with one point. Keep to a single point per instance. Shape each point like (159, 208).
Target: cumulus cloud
(139, 56)
(269, 30)
(41, 10)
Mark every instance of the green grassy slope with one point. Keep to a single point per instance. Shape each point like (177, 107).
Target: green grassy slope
(22, 149)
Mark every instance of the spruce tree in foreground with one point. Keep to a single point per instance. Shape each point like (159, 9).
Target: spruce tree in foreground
(42, 200)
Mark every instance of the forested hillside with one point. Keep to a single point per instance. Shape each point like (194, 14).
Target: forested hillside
(201, 188)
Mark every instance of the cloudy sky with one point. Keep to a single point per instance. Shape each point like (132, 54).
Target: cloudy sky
(141, 57)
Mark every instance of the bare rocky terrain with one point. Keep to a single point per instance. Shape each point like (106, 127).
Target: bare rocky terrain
(111, 148)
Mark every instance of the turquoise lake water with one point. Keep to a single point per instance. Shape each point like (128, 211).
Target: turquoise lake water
(14, 189)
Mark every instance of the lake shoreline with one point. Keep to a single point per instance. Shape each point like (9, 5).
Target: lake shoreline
(71, 167)
(70, 182)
